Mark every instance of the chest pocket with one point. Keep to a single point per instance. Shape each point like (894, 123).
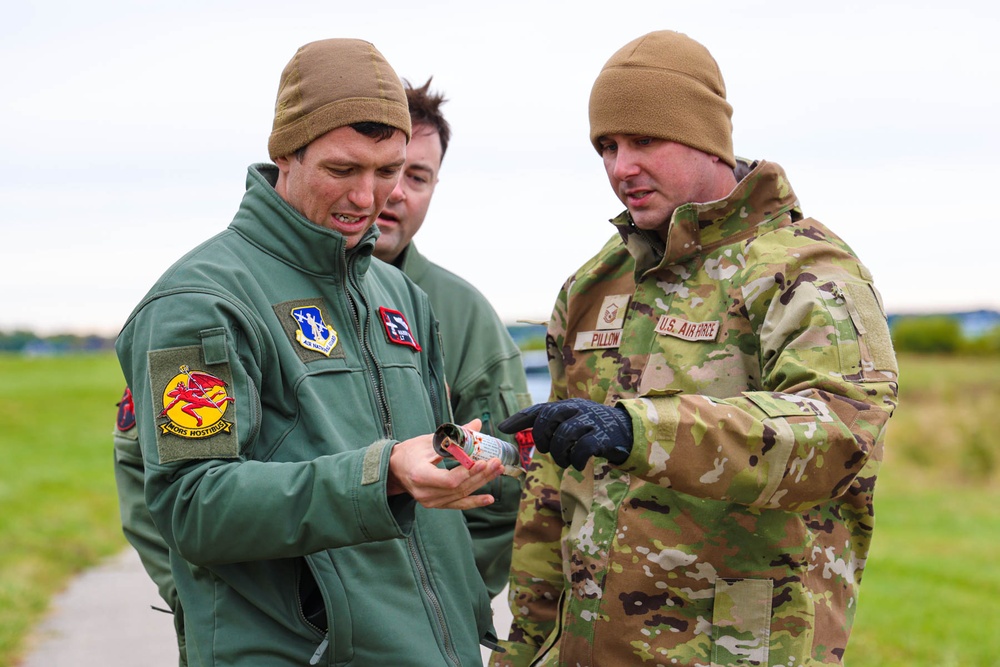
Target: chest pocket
(702, 352)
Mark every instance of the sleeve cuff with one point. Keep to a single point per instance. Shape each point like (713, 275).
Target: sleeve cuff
(381, 517)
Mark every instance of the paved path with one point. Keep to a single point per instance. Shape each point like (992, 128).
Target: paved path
(104, 619)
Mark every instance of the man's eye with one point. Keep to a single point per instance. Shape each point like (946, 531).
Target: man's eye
(644, 141)
(608, 148)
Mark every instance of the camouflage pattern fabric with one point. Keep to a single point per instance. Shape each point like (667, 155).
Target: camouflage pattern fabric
(753, 355)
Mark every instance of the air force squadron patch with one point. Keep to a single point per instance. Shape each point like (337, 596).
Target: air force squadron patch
(193, 406)
(397, 328)
(194, 403)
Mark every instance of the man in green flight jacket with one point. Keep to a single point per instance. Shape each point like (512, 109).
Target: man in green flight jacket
(285, 387)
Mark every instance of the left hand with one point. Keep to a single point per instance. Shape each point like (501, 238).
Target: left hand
(575, 429)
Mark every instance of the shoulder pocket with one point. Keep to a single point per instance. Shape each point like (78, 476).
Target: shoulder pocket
(869, 320)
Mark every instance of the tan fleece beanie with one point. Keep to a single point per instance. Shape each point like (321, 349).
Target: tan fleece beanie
(330, 84)
(664, 85)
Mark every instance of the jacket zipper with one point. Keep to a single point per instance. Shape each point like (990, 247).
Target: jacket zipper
(371, 362)
(432, 598)
(439, 404)
(378, 382)
(321, 649)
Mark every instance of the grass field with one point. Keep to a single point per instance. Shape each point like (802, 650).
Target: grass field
(930, 590)
(58, 510)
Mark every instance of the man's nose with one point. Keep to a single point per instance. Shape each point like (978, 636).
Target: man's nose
(625, 164)
(362, 194)
(398, 194)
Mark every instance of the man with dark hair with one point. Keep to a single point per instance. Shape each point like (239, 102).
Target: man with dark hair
(482, 363)
(285, 389)
(722, 376)
(407, 206)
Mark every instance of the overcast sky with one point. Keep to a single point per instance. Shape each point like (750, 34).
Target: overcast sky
(128, 128)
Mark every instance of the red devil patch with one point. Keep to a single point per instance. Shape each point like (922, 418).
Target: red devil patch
(126, 411)
(194, 403)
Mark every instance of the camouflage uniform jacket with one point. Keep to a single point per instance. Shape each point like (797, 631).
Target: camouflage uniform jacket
(753, 355)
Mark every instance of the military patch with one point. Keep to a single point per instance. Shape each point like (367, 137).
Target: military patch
(613, 312)
(314, 334)
(305, 324)
(194, 403)
(126, 412)
(191, 403)
(678, 328)
(397, 328)
(598, 340)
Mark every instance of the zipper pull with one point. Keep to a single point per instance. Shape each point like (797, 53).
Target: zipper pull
(321, 649)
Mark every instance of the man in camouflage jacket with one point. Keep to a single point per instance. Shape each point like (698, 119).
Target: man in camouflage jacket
(722, 376)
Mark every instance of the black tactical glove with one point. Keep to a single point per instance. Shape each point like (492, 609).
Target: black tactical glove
(574, 430)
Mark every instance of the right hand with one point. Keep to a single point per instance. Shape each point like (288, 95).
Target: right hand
(413, 469)
(574, 429)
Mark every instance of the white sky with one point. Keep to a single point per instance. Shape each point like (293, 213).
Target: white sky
(128, 128)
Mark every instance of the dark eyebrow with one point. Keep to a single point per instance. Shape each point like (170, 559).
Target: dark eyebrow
(357, 165)
(421, 167)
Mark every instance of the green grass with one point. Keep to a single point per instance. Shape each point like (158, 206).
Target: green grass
(930, 590)
(932, 584)
(58, 509)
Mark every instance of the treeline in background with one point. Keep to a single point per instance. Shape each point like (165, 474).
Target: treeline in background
(975, 332)
(972, 333)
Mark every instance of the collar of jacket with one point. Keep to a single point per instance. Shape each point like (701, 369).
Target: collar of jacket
(269, 222)
(762, 194)
(413, 264)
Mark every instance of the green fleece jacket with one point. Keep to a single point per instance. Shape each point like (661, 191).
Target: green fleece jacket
(485, 381)
(272, 372)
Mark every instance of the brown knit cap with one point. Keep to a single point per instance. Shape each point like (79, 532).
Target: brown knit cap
(330, 84)
(664, 85)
